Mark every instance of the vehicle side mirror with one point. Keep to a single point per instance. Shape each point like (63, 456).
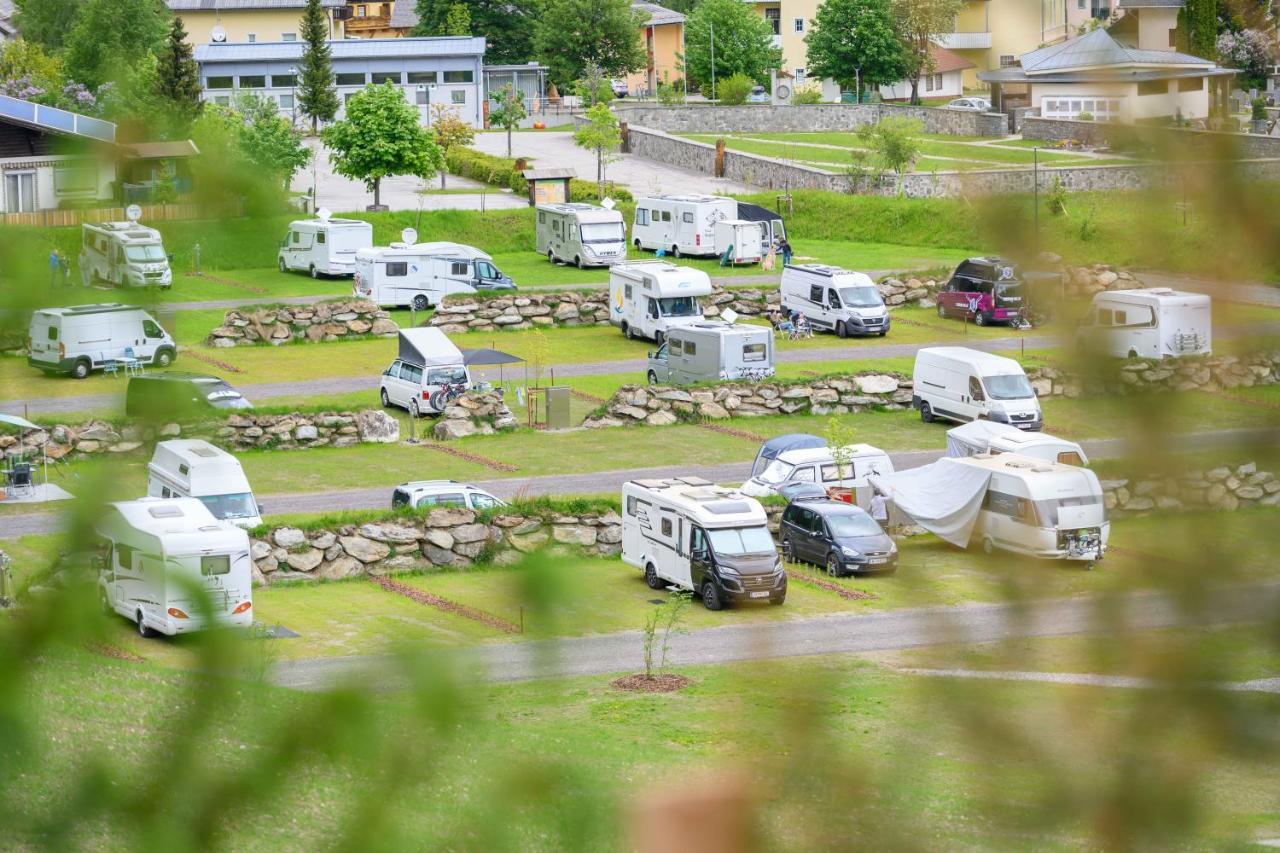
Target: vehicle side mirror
(261, 510)
(701, 554)
(97, 563)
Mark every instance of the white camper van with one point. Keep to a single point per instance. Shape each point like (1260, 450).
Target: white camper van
(581, 234)
(962, 384)
(978, 437)
(324, 246)
(742, 239)
(81, 338)
(1155, 323)
(835, 299)
(694, 535)
(680, 224)
(170, 567)
(817, 465)
(194, 468)
(712, 351)
(649, 298)
(428, 374)
(123, 254)
(419, 276)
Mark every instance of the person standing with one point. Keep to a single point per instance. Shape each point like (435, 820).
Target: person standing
(54, 263)
(880, 509)
(785, 248)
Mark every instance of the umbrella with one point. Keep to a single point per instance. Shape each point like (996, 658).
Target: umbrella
(485, 357)
(23, 425)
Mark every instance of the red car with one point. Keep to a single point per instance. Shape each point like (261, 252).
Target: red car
(984, 290)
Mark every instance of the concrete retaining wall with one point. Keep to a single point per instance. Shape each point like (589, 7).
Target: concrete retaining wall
(761, 118)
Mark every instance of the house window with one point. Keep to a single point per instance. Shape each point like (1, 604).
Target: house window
(799, 75)
(1173, 38)
(252, 37)
(458, 77)
(1191, 84)
(386, 77)
(798, 25)
(1079, 4)
(774, 17)
(361, 11)
(1153, 87)
(253, 81)
(75, 178)
(459, 96)
(288, 37)
(1007, 60)
(422, 95)
(219, 82)
(286, 102)
(20, 192)
(351, 78)
(283, 81)
(428, 77)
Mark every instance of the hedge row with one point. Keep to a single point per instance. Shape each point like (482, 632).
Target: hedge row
(502, 172)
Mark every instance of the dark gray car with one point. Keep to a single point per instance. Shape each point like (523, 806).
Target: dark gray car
(838, 536)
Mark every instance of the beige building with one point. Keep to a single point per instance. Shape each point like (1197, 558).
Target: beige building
(252, 21)
(662, 36)
(369, 20)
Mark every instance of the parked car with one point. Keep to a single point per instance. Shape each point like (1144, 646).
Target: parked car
(802, 492)
(984, 290)
(428, 374)
(426, 494)
(837, 535)
(962, 385)
(619, 88)
(759, 95)
(175, 395)
(977, 105)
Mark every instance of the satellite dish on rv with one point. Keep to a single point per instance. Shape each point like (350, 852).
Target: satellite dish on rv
(608, 204)
(323, 214)
(217, 35)
(409, 236)
(133, 213)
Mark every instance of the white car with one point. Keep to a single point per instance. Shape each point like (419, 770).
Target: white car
(619, 88)
(977, 105)
(759, 95)
(425, 494)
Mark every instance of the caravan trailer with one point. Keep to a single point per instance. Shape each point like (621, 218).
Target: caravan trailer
(422, 275)
(170, 567)
(649, 298)
(581, 234)
(977, 437)
(694, 535)
(123, 254)
(711, 352)
(194, 468)
(680, 224)
(805, 463)
(739, 241)
(324, 246)
(1155, 323)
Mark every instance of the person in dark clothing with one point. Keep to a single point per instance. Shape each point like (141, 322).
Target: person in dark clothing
(64, 266)
(785, 248)
(54, 262)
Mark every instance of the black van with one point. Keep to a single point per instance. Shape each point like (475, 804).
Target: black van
(177, 395)
(840, 536)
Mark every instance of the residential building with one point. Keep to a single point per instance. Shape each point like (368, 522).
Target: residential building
(444, 69)
(662, 35)
(1158, 19)
(992, 34)
(945, 80)
(372, 20)
(251, 21)
(790, 20)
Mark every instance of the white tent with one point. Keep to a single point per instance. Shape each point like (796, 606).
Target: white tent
(943, 497)
(988, 436)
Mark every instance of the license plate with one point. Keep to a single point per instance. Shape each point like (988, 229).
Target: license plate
(762, 594)
(875, 561)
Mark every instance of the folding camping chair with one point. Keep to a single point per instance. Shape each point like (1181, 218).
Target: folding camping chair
(132, 364)
(109, 365)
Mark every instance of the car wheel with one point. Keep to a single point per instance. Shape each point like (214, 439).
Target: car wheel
(386, 401)
(164, 357)
(280, 263)
(979, 318)
(842, 331)
(413, 408)
(833, 565)
(711, 596)
(926, 413)
(942, 311)
(80, 369)
(651, 578)
(988, 547)
(637, 244)
(143, 630)
(421, 303)
(788, 551)
(882, 334)
(315, 273)
(653, 378)
(779, 600)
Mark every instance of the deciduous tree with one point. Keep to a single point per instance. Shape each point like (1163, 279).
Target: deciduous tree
(919, 23)
(46, 22)
(270, 144)
(449, 131)
(507, 25)
(317, 95)
(458, 21)
(571, 34)
(602, 135)
(854, 43)
(509, 112)
(1198, 28)
(110, 36)
(743, 43)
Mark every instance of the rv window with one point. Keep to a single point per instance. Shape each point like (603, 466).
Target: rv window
(697, 540)
(627, 289)
(676, 347)
(411, 372)
(833, 299)
(632, 503)
(555, 225)
(975, 389)
(482, 501)
(397, 269)
(320, 236)
(151, 330)
(542, 216)
(448, 499)
(1011, 386)
(666, 216)
(1070, 457)
(458, 268)
(165, 493)
(124, 556)
(53, 333)
(742, 540)
(815, 293)
(1001, 504)
(829, 473)
(666, 527)
(690, 348)
(680, 306)
(297, 238)
(642, 216)
(776, 472)
(653, 309)
(1121, 317)
(399, 498)
(803, 475)
(183, 470)
(443, 375)
(486, 270)
(753, 352)
(1047, 511)
(218, 564)
(1105, 316)
(688, 217)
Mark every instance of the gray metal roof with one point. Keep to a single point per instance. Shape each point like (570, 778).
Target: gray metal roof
(657, 15)
(392, 48)
(1099, 48)
(404, 14)
(244, 5)
(54, 120)
(1118, 75)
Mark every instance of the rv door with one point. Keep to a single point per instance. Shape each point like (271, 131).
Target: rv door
(673, 559)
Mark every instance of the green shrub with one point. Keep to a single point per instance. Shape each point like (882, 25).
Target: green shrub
(670, 94)
(1086, 116)
(810, 94)
(734, 90)
(498, 171)
(1259, 109)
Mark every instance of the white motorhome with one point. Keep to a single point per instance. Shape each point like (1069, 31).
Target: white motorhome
(741, 239)
(691, 534)
(817, 465)
(712, 351)
(324, 246)
(962, 384)
(170, 567)
(123, 254)
(418, 276)
(1155, 323)
(649, 298)
(81, 338)
(581, 234)
(194, 468)
(978, 437)
(430, 371)
(835, 299)
(680, 224)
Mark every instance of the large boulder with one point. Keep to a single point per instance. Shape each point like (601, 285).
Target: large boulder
(343, 567)
(305, 561)
(364, 550)
(375, 425)
(288, 537)
(395, 534)
(876, 384)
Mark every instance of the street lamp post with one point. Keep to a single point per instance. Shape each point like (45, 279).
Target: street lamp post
(712, 24)
(293, 96)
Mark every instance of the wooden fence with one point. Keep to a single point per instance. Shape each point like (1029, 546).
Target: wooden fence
(70, 218)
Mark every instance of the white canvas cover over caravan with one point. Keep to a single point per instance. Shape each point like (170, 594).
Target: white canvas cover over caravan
(943, 497)
(428, 347)
(991, 437)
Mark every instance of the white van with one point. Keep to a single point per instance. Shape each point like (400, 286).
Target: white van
(170, 567)
(817, 465)
(835, 299)
(649, 298)
(428, 374)
(962, 384)
(696, 536)
(123, 254)
(581, 234)
(742, 239)
(421, 275)
(194, 468)
(680, 224)
(712, 352)
(1156, 323)
(81, 338)
(978, 437)
(324, 246)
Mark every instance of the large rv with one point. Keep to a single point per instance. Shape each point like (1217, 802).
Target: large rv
(581, 234)
(694, 535)
(422, 275)
(1155, 323)
(80, 338)
(123, 254)
(712, 351)
(680, 224)
(324, 246)
(170, 567)
(834, 299)
(194, 468)
(647, 299)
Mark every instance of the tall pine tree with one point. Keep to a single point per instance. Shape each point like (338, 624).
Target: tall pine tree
(317, 95)
(178, 80)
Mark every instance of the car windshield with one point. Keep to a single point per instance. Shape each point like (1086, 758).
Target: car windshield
(147, 253)
(741, 540)
(679, 306)
(777, 471)
(852, 524)
(1013, 386)
(860, 297)
(231, 506)
(602, 232)
(228, 398)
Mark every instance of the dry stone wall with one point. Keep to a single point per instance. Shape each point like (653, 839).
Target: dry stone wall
(445, 537)
(765, 118)
(1221, 488)
(474, 413)
(1205, 143)
(323, 321)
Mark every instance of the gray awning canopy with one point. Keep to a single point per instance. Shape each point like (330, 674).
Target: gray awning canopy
(20, 423)
(483, 357)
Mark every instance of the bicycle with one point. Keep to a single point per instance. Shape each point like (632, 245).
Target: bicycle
(446, 395)
(755, 374)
